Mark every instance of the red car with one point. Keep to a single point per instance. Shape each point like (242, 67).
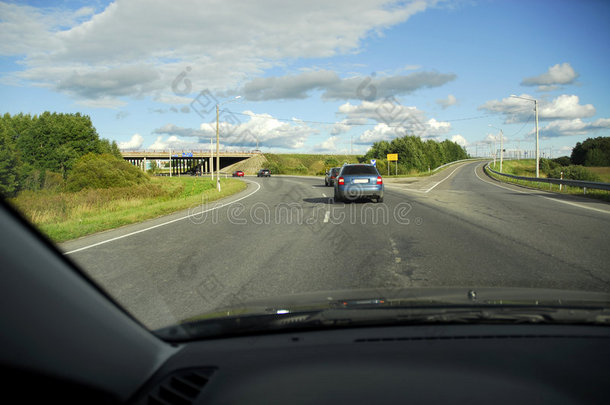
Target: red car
(238, 173)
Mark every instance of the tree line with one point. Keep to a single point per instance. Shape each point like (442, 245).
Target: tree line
(592, 152)
(415, 154)
(39, 151)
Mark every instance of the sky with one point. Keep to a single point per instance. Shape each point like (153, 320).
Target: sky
(314, 76)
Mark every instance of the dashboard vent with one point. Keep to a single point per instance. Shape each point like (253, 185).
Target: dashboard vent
(180, 388)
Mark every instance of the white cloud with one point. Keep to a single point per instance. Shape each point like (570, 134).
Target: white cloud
(98, 56)
(135, 142)
(492, 138)
(335, 88)
(268, 131)
(381, 132)
(459, 139)
(172, 142)
(558, 74)
(519, 110)
(340, 128)
(329, 145)
(289, 86)
(447, 102)
(572, 127)
(171, 129)
(565, 107)
(397, 120)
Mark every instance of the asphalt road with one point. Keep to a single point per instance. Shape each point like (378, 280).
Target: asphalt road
(284, 235)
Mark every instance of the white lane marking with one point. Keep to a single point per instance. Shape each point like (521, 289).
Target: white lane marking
(323, 194)
(164, 223)
(423, 190)
(538, 195)
(326, 216)
(443, 179)
(575, 204)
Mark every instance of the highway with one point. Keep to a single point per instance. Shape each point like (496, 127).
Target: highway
(285, 235)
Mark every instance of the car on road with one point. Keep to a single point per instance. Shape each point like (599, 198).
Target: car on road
(358, 181)
(263, 173)
(331, 175)
(238, 173)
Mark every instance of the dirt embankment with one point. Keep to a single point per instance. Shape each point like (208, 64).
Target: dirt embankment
(248, 166)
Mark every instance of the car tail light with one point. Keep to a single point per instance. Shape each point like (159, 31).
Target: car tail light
(341, 181)
(379, 180)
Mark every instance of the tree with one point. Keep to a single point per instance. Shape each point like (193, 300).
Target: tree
(414, 154)
(103, 171)
(9, 164)
(592, 152)
(33, 146)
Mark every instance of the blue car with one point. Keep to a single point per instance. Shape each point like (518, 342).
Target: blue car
(357, 181)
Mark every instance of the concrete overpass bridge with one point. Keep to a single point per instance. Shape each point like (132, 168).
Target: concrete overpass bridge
(184, 161)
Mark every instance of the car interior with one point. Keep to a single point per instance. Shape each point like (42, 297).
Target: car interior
(65, 340)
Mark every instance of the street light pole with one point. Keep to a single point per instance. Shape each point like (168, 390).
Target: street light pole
(537, 143)
(501, 145)
(212, 159)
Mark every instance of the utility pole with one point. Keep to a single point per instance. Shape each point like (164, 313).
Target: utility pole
(217, 152)
(537, 142)
(212, 159)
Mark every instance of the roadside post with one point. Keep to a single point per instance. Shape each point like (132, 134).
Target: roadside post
(392, 157)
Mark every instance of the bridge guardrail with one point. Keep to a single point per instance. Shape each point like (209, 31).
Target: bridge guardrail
(566, 182)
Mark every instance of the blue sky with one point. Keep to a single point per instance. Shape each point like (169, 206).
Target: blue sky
(315, 76)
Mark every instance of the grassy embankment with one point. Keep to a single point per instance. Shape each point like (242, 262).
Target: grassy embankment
(316, 165)
(63, 216)
(305, 164)
(527, 168)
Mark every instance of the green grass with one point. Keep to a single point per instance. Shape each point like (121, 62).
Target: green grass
(521, 168)
(603, 172)
(63, 216)
(316, 165)
(524, 167)
(305, 164)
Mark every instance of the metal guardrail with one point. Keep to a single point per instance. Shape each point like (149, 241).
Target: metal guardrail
(565, 182)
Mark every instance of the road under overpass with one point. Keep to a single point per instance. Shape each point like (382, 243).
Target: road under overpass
(186, 161)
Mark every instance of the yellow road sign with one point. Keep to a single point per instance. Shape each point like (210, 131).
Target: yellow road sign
(392, 157)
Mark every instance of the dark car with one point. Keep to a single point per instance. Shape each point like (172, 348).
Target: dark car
(238, 173)
(357, 181)
(331, 175)
(263, 173)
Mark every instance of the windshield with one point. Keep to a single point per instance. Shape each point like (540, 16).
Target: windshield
(185, 155)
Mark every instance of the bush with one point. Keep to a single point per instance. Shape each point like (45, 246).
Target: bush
(275, 168)
(573, 172)
(103, 171)
(331, 162)
(563, 161)
(548, 165)
(53, 181)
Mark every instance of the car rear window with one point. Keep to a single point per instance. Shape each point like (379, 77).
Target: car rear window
(359, 169)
